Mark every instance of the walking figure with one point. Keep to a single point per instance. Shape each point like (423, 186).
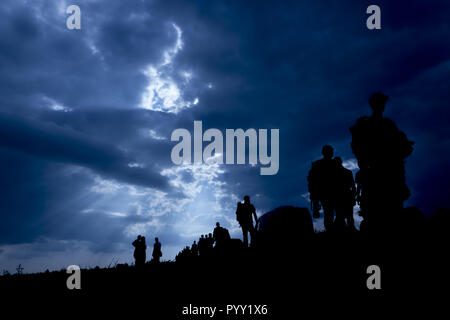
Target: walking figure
(245, 213)
(322, 186)
(345, 198)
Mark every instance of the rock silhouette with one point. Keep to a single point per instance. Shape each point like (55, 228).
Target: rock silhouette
(286, 221)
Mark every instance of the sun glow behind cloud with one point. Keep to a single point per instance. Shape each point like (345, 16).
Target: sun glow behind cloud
(149, 211)
(163, 93)
(55, 105)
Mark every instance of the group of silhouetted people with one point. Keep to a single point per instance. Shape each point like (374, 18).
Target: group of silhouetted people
(220, 237)
(217, 239)
(140, 248)
(380, 149)
(379, 186)
(206, 244)
(332, 187)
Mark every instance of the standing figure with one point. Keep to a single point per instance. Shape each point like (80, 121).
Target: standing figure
(157, 254)
(345, 198)
(202, 245)
(194, 249)
(245, 213)
(380, 148)
(210, 243)
(220, 235)
(321, 186)
(140, 248)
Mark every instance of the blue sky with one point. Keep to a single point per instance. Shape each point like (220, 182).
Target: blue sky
(86, 115)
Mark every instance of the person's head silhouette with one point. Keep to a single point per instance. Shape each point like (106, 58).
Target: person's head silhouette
(156, 240)
(246, 199)
(327, 152)
(338, 161)
(217, 224)
(377, 102)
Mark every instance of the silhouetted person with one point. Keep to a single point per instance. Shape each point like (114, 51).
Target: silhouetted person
(380, 149)
(220, 235)
(208, 245)
(157, 253)
(361, 198)
(238, 210)
(345, 195)
(140, 248)
(194, 249)
(226, 234)
(210, 241)
(184, 255)
(245, 213)
(321, 186)
(202, 245)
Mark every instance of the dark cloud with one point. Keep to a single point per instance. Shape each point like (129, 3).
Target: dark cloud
(82, 162)
(64, 145)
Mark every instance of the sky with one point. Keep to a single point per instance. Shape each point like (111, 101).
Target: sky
(86, 115)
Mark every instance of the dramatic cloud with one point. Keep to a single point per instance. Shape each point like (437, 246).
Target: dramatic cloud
(86, 115)
(163, 93)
